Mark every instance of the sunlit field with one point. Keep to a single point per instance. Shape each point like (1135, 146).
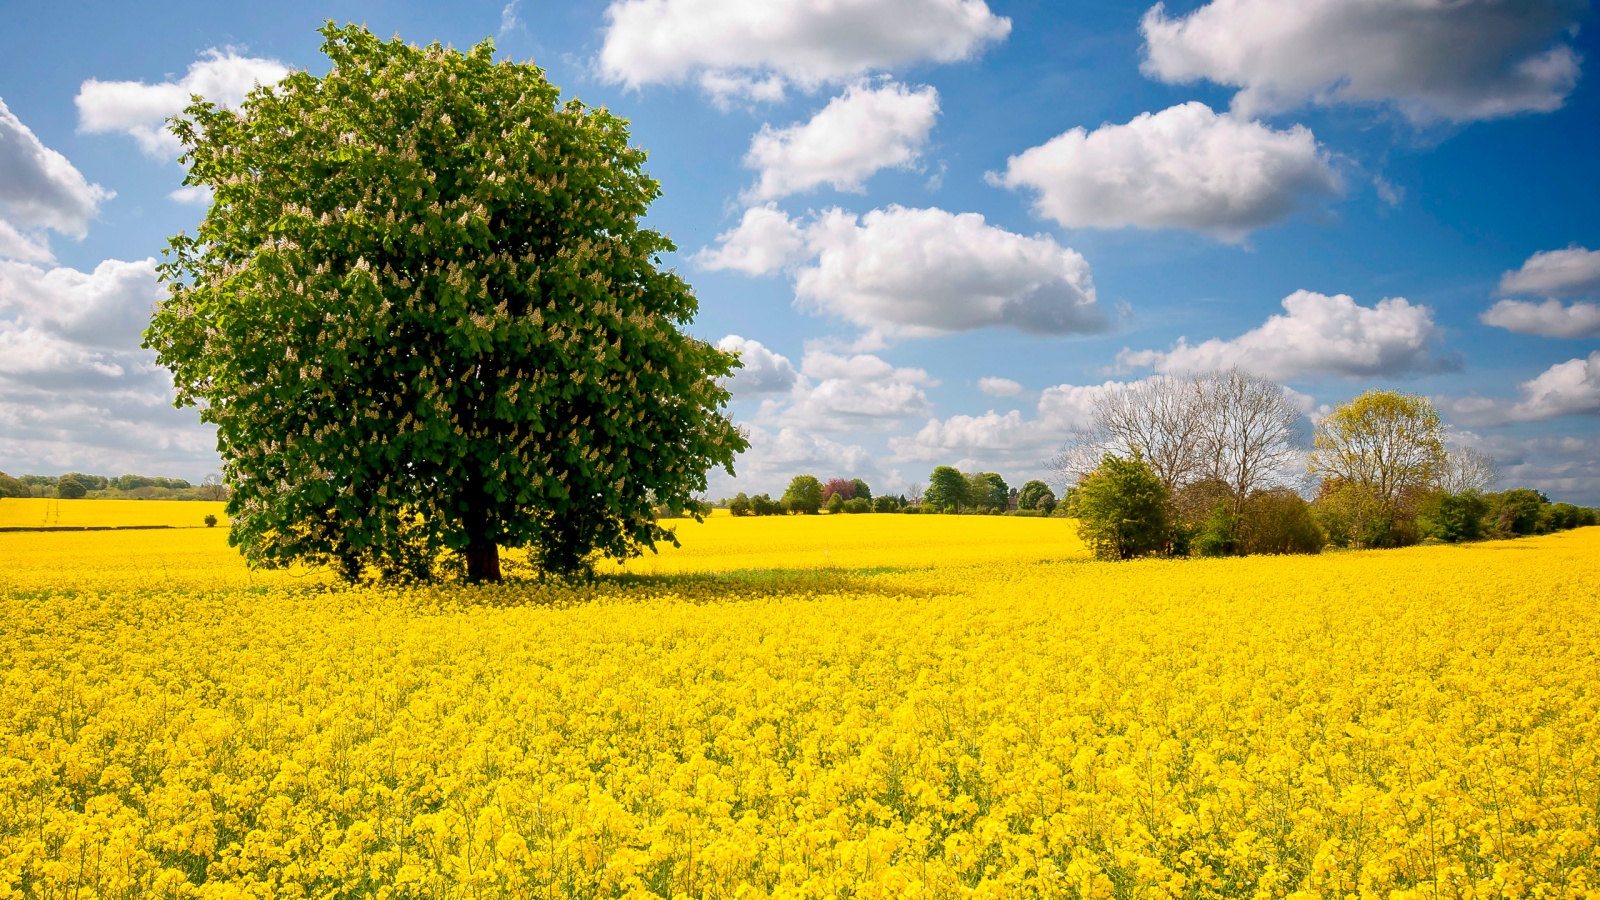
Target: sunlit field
(40, 513)
(863, 706)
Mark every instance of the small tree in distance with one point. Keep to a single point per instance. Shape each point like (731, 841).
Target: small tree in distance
(947, 489)
(1036, 495)
(838, 487)
(1121, 508)
(70, 488)
(804, 495)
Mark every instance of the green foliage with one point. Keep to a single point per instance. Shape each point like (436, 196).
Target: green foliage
(1278, 521)
(804, 495)
(210, 520)
(987, 491)
(739, 505)
(1517, 512)
(1122, 508)
(1036, 495)
(858, 505)
(884, 504)
(862, 491)
(763, 505)
(1218, 533)
(69, 488)
(946, 488)
(11, 487)
(1453, 517)
(424, 316)
(836, 503)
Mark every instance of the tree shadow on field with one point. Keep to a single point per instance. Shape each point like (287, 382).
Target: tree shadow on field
(698, 587)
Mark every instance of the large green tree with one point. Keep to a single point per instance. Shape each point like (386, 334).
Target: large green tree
(804, 494)
(424, 316)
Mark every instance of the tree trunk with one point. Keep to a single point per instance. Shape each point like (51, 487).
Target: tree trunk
(483, 562)
(483, 554)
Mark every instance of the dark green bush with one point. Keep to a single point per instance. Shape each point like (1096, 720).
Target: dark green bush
(1453, 518)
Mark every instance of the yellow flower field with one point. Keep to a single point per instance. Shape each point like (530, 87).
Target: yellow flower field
(910, 716)
(37, 512)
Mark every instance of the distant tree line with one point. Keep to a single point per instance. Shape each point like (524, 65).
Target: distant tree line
(1203, 465)
(949, 491)
(78, 486)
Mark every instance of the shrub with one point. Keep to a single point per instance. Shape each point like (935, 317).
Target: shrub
(1453, 518)
(883, 504)
(69, 488)
(858, 505)
(1278, 521)
(739, 505)
(1519, 511)
(1218, 533)
(210, 520)
(836, 503)
(764, 505)
(1122, 508)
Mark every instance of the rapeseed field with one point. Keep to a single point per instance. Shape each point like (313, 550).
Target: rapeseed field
(909, 715)
(49, 512)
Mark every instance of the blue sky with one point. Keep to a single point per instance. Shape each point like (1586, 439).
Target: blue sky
(935, 228)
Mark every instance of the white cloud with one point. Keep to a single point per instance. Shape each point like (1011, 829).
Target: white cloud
(76, 392)
(106, 308)
(1434, 60)
(764, 372)
(778, 454)
(508, 18)
(1572, 272)
(194, 194)
(859, 132)
(15, 244)
(1548, 319)
(1571, 388)
(1315, 335)
(141, 110)
(39, 189)
(733, 47)
(999, 387)
(1184, 167)
(859, 392)
(923, 272)
(764, 241)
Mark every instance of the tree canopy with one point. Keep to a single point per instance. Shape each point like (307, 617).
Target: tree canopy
(947, 488)
(1122, 508)
(804, 494)
(424, 316)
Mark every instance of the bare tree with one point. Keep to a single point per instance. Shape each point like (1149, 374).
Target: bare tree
(1159, 418)
(1467, 469)
(1247, 431)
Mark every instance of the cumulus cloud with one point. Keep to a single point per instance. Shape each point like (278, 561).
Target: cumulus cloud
(778, 454)
(76, 392)
(1571, 388)
(1184, 167)
(1551, 318)
(39, 189)
(1433, 61)
(193, 194)
(732, 47)
(1021, 445)
(1572, 272)
(923, 272)
(764, 241)
(999, 387)
(858, 392)
(1315, 335)
(859, 132)
(141, 110)
(16, 244)
(917, 272)
(764, 372)
(106, 308)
